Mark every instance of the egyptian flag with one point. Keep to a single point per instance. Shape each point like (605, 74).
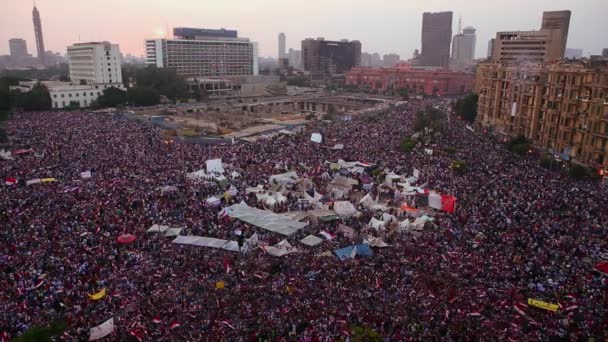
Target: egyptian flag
(137, 333)
(448, 203)
(10, 181)
(156, 320)
(378, 283)
(174, 325)
(328, 235)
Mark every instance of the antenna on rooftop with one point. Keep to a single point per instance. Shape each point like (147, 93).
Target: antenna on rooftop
(460, 24)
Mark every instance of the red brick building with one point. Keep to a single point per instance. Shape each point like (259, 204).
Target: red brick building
(419, 81)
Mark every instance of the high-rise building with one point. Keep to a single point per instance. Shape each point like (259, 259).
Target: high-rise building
(203, 53)
(573, 53)
(605, 53)
(324, 58)
(390, 60)
(436, 37)
(282, 45)
(491, 44)
(38, 33)
(18, 48)
(95, 63)
(560, 106)
(463, 48)
(295, 58)
(546, 45)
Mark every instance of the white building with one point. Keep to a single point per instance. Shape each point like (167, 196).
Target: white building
(95, 63)
(64, 94)
(204, 53)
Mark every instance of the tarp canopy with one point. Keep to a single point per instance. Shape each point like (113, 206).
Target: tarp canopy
(345, 208)
(157, 229)
(311, 240)
(351, 251)
(280, 249)
(296, 215)
(173, 232)
(213, 200)
(318, 214)
(376, 242)
(284, 178)
(264, 219)
(102, 330)
(338, 147)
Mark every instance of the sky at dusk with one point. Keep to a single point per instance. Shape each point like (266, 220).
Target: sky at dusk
(383, 26)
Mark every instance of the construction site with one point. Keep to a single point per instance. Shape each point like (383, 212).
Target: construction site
(236, 119)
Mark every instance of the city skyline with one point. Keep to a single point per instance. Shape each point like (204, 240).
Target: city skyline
(390, 26)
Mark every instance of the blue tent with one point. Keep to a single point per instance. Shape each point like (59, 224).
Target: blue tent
(362, 250)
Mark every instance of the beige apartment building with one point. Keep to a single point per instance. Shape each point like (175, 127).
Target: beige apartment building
(562, 107)
(545, 45)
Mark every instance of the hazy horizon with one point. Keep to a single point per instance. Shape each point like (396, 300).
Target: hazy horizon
(383, 26)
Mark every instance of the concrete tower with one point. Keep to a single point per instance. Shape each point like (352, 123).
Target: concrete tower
(38, 32)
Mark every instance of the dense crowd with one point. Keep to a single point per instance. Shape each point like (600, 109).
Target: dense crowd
(518, 232)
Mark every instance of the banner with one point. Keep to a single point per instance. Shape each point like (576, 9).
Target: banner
(102, 330)
(543, 305)
(99, 295)
(316, 138)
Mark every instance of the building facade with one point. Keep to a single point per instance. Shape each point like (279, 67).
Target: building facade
(282, 45)
(324, 59)
(295, 58)
(546, 45)
(204, 53)
(562, 107)
(95, 63)
(436, 38)
(418, 81)
(491, 43)
(38, 34)
(390, 60)
(66, 94)
(463, 48)
(18, 48)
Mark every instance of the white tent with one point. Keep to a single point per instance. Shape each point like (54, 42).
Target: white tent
(264, 219)
(284, 178)
(280, 249)
(311, 240)
(345, 209)
(157, 229)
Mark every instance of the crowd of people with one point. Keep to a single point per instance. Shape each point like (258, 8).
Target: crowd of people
(518, 232)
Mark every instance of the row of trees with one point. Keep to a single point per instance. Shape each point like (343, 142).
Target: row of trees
(37, 98)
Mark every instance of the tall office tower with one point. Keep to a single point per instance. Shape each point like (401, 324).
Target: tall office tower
(38, 33)
(545, 45)
(204, 53)
(491, 47)
(463, 46)
(282, 45)
(95, 63)
(436, 37)
(18, 48)
(324, 58)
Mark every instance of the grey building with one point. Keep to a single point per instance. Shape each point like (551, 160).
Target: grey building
(436, 38)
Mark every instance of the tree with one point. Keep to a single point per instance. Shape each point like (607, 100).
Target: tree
(459, 167)
(42, 334)
(407, 145)
(467, 107)
(577, 172)
(37, 98)
(143, 96)
(164, 80)
(403, 93)
(111, 97)
(365, 334)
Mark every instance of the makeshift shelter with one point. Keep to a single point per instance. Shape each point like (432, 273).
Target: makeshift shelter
(351, 252)
(345, 209)
(280, 249)
(377, 224)
(341, 186)
(157, 229)
(284, 178)
(338, 147)
(347, 231)
(311, 240)
(264, 219)
(296, 215)
(314, 216)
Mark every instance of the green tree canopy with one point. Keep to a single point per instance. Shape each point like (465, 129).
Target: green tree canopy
(164, 80)
(36, 99)
(467, 107)
(143, 96)
(111, 97)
